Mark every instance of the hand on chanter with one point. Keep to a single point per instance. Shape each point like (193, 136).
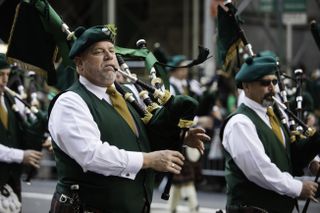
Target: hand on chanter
(163, 161)
(32, 157)
(195, 138)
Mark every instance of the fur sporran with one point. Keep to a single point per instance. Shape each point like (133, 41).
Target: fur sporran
(9, 202)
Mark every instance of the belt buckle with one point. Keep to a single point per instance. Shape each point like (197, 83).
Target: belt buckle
(64, 199)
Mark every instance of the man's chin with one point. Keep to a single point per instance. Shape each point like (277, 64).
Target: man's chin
(267, 102)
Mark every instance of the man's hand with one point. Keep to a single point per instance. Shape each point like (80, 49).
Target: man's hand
(163, 161)
(195, 138)
(32, 157)
(309, 189)
(314, 167)
(47, 144)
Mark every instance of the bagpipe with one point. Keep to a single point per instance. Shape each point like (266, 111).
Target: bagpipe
(167, 117)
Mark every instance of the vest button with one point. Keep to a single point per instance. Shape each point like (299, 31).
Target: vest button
(127, 174)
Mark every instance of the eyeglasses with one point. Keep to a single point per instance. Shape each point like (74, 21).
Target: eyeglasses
(266, 83)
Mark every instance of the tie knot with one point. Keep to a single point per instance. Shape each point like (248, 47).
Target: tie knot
(111, 90)
(270, 111)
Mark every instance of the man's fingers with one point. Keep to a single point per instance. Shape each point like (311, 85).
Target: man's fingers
(197, 130)
(178, 155)
(205, 137)
(177, 161)
(201, 148)
(37, 156)
(314, 199)
(174, 168)
(35, 164)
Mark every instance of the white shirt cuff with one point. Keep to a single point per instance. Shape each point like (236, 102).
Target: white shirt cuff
(15, 155)
(296, 188)
(135, 162)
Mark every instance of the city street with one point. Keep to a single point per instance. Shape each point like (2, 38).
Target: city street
(37, 196)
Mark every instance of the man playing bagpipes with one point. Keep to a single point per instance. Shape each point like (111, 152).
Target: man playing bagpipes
(15, 138)
(102, 147)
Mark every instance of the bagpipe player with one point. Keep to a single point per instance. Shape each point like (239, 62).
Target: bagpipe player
(102, 150)
(260, 159)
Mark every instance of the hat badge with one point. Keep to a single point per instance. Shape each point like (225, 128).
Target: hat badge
(106, 31)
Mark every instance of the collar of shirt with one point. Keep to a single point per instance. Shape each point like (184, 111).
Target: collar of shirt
(178, 83)
(98, 91)
(258, 108)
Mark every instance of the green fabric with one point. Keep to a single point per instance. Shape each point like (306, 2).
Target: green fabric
(66, 76)
(228, 41)
(108, 193)
(240, 190)
(150, 61)
(36, 34)
(255, 68)
(3, 62)
(86, 37)
(52, 23)
(231, 103)
(167, 118)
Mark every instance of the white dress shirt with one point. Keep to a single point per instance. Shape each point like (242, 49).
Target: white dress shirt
(10, 155)
(180, 84)
(241, 140)
(74, 130)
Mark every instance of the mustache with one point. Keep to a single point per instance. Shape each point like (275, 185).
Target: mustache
(269, 95)
(112, 66)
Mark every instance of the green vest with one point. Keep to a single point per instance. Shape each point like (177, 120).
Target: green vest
(10, 137)
(108, 193)
(241, 191)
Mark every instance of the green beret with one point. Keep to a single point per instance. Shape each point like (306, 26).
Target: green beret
(86, 37)
(255, 68)
(175, 61)
(3, 62)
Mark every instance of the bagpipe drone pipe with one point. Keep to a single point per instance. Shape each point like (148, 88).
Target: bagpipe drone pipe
(169, 121)
(167, 125)
(172, 113)
(305, 140)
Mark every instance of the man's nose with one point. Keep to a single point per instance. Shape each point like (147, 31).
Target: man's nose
(108, 55)
(271, 88)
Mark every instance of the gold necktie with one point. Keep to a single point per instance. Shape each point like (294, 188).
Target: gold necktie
(275, 124)
(185, 90)
(120, 105)
(3, 114)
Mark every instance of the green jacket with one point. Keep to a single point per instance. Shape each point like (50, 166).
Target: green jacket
(108, 193)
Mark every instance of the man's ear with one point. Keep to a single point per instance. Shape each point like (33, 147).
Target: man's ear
(244, 85)
(78, 62)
